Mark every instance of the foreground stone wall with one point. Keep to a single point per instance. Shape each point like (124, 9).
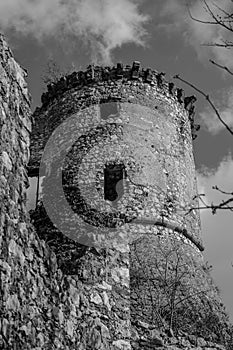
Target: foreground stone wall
(45, 304)
(40, 307)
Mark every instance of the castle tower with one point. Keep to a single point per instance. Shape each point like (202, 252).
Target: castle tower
(113, 147)
(129, 131)
(103, 264)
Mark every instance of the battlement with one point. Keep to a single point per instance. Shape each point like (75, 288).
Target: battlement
(135, 73)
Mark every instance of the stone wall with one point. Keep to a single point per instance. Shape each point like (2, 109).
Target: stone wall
(44, 303)
(40, 307)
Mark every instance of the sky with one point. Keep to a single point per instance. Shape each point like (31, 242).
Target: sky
(161, 35)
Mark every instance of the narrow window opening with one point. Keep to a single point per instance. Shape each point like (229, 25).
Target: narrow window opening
(34, 191)
(114, 175)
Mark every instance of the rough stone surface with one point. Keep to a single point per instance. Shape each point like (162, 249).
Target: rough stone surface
(57, 293)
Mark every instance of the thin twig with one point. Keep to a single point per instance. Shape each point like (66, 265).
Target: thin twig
(222, 67)
(208, 100)
(198, 20)
(217, 21)
(221, 191)
(212, 207)
(227, 45)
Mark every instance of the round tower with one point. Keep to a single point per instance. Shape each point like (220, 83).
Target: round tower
(112, 150)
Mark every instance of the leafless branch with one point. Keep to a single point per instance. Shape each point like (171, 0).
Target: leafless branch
(197, 19)
(224, 12)
(208, 100)
(222, 67)
(214, 207)
(216, 18)
(221, 191)
(227, 45)
(222, 206)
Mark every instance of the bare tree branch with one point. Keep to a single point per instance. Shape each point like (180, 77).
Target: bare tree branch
(224, 12)
(217, 19)
(227, 45)
(214, 207)
(221, 191)
(222, 67)
(208, 100)
(219, 16)
(197, 19)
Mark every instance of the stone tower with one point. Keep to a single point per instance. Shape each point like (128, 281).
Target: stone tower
(114, 147)
(112, 256)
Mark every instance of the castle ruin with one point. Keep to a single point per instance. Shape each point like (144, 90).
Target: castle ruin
(111, 257)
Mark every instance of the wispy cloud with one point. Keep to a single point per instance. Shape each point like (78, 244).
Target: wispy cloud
(217, 229)
(102, 24)
(225, 107)
(195, 33)
(222, 177)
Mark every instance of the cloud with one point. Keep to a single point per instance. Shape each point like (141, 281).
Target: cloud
(195, 33)
(222, 177)
(217, 229)
(224, 105)
(176, 18)
(102, 24)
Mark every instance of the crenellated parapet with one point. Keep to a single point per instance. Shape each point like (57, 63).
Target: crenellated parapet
(98, 74)
(122, 73)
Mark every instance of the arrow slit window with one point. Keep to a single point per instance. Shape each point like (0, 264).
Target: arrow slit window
(114, 175)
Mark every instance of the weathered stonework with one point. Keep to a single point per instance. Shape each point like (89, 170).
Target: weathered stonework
(59, 294)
